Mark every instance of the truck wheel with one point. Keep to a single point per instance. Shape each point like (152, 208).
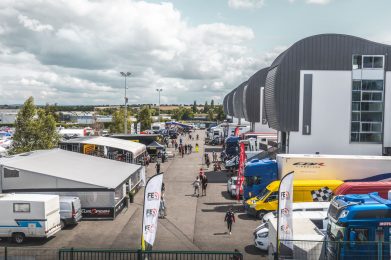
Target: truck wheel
(18, 238)
(260, 214)
(62, 224)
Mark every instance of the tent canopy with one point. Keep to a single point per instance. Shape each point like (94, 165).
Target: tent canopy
(155, 145)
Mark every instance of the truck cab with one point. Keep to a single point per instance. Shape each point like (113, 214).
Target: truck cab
(258, 174)
(359, 225)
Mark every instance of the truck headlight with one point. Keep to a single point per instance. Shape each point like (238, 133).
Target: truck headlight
(343, 214)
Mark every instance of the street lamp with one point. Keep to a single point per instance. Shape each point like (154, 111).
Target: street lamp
(159, 90)
(125, 75)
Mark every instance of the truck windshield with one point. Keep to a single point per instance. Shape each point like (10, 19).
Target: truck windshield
(263, 194)
(253, 180)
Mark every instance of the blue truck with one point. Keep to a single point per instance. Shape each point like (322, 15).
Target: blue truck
(359, 227)
(232, 146)
(258, 174)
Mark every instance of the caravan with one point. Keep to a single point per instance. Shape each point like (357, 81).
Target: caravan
(29, 215)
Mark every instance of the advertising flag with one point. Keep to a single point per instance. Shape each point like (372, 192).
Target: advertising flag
(285, 201)
(242, 160)
(138, 128)
(152, 197)
(236, 133)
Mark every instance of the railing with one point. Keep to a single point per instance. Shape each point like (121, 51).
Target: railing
(330, 250)
(38, 253)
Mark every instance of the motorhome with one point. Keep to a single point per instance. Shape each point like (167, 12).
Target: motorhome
(29, 215)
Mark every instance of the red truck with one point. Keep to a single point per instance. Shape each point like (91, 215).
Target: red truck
(382, 187)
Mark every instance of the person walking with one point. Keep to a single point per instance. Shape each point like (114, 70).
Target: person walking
(176, 145)
(207, 161)
(196, 184)
(185, 148)
(230, 218)
(197, 148)
(204, 183)
(157, 166)
(183, 152)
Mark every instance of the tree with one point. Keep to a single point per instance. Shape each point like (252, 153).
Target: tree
(35, 129)
(212, 104)
(194, 107)
(145, 118)
(220, 113)
(117, 122)
(211, 115)
(206, 107)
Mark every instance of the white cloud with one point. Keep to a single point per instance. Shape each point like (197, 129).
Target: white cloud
(87, 43)
(318, 2)
(245, 4)
(33, 24)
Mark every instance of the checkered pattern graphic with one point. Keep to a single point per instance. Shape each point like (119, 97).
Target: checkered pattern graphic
(323, 194)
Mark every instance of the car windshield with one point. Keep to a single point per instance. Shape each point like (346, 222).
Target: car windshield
(263, 194)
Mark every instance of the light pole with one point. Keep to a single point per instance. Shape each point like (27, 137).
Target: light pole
(159, 90)
(125, 75)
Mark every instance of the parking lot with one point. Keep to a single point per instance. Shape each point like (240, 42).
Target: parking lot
(192, 223)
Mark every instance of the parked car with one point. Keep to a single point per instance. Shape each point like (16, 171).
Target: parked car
(232, 186)
(70, 211)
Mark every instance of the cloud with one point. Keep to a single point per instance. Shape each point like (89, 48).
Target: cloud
(33, 24)
(318, 2)
(71, 52)
(245, 4)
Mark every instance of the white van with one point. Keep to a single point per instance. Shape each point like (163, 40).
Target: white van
(301, 206)
(261, 235)
(29, 215)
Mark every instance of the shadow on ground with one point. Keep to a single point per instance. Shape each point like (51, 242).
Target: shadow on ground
(252, 250)
(224, 208)
(244, 216)
(227, 196)
(216, 177)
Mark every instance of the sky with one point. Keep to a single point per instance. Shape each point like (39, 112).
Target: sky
(72, 51)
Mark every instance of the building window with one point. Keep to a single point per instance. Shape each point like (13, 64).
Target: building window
(367, 111)
(373, 62)
(21, 207)
(357, 62)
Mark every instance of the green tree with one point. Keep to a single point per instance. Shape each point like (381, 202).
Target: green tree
(194, 107)
(35, 129)
(212, 104)
(211, 115)
(187, 114)
(117, 122)
(206, 107)
(145, 118)
(220, 113)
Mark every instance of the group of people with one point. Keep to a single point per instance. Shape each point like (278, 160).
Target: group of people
(201, 181)
(216, 162)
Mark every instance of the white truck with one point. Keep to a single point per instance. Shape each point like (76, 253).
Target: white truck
(29, 215)
(156, 127)
(335, 167)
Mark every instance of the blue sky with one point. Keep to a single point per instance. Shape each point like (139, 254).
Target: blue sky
(71, 52)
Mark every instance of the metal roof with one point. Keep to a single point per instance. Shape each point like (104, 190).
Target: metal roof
(230, 103)
(81, 168)
(319, 52)
(252, 96)
(238, 100)
(135, 148)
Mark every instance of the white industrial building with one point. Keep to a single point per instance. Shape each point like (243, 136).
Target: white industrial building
(101, 184)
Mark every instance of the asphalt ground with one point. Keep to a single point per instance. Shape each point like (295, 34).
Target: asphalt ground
(192, 223)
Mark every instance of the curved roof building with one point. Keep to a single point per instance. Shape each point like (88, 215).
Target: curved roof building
(252, 96)
(238, 103)
(319, 52)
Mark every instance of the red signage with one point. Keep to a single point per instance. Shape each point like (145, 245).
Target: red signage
(242, 160)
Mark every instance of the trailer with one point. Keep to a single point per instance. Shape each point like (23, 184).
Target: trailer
(347, 168)
(29, 215)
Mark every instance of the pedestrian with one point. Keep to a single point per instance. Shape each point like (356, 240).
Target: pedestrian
(176, 145)
(197, 137)
(183, 152)
(172, 143)
(207, 161)
(204, 183)
(191, 148)
(163, 189)
(197, 148)
(230, 218)
(163, 157)
(180, 140)
(214, 156)
(196, 184)
(157, 166)
(185, 148)
(162, 208)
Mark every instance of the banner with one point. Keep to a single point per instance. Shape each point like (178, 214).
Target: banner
(152, 196)
(242, 160)
(138, 128)
(285, 210)
(236, 133)
(132, 131)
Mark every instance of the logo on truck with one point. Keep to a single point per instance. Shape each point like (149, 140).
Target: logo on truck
(309, 164)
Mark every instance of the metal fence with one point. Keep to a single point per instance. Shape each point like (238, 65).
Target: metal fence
(330, 250)
(23, 253)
